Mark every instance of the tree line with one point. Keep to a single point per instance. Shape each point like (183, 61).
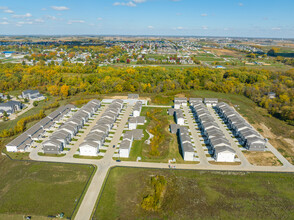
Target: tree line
(91, 79)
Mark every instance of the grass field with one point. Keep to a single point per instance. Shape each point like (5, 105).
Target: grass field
(168, 148)
(41, 189)
(198, 195)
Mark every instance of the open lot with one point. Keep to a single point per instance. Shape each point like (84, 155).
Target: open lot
(198, 195)
(262, 158)
(40, 188)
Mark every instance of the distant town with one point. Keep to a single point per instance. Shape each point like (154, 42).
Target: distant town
(113, 51)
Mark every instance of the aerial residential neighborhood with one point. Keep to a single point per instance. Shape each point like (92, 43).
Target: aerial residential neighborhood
(146, 109)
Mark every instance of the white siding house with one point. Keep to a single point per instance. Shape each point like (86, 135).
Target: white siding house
(89, 149)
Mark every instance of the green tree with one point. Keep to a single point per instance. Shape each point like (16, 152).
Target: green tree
(35, 103)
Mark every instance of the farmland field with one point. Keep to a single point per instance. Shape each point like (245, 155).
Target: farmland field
(39, 188)
(198, 195)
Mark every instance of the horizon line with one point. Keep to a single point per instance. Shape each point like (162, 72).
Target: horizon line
(137, 35)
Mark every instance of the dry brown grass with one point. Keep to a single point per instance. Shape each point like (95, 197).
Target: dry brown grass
(283, 144)
(225, 52)
(225, 163)
(262, 158)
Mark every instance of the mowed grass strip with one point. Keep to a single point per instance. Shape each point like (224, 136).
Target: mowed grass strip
(198, 195)
(41, 189)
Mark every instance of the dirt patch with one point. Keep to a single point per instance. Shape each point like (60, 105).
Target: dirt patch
(182, 95)
(225, 52)
(262, 158)
(126, 97)
(225, 163)
(284, 145)
(289, 141)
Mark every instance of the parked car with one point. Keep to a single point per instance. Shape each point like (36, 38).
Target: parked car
(118, 160)
(113, 146)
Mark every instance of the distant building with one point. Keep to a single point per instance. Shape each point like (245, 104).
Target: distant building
(180, 102)
(271, 95)
(10, 107)
(220, 67)
(2, 96)
(210, 101)
(32, 95)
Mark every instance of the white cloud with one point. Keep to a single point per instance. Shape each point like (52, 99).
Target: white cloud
(4, 18)
(4, 22)
(129, 4)
(178, 14)
(27, 15)
(204, 27)
(204, 15)
(241, 4)
(60, 8)
(100, 19)
(150, 27)
(3, 7)
(132, 3)
(276, 28)
(39, 20)
(76, 21)
(178, 28)
(44, 9)
(8, 11)
(50, 17)
(24, 22)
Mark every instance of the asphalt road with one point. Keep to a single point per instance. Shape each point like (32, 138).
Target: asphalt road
(88, 203)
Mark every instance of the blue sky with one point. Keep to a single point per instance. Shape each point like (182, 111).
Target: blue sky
(244, 18)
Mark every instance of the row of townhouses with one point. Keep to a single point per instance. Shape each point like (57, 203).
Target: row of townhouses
(25, 140)
(186, 143)
(246, 134)
(95, 139)
(214, 137)
(65, 133)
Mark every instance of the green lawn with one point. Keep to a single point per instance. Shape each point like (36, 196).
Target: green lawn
(168, 148)
(17, 156)
(39, 188)
(198, 195)
(86, 157)
(50, 155)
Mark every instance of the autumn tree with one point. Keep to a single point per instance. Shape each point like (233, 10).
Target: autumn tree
(64, 90)
(53, 90)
